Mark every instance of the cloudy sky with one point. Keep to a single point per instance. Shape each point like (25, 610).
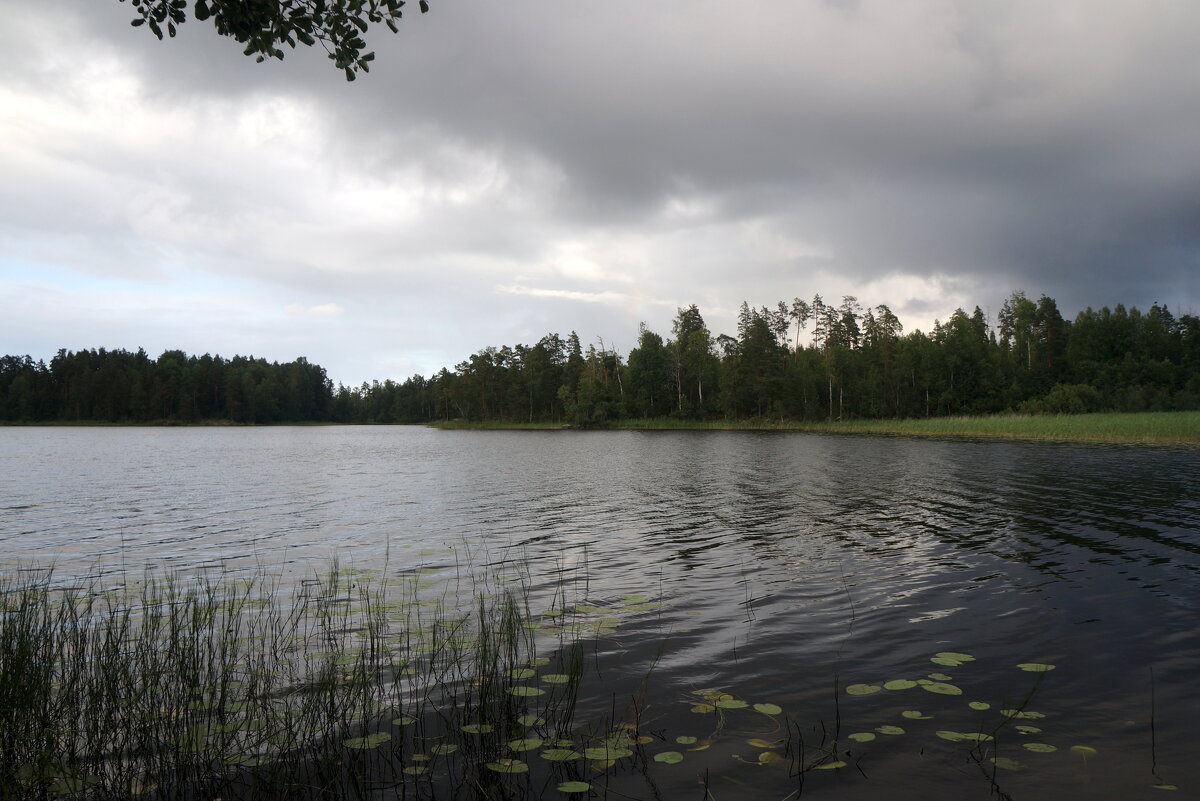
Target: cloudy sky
(512, 169)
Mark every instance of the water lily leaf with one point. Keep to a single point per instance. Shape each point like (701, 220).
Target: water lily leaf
(939, 677)
(556, 678)
(1020, 713)
(525, 691)
(669, 757)
(732, 703)
(915, 714)
(521, 673)
(768, 709)
(703, 745)
(605, 752)
(899, 684)
(573, 787)
(889, 730)
(863, 689)
(957, 657)
(370, 741)
(507, 766)
(525, 744)
(769, 757)
(1007, 763)
(1039, 748)
(1084, 750)
(1165, 786)
(758, 742)
(952, 736)
(644, 739)
(942, 689)
(248, 760)
(415, 770)
(404, 720)
(703, 709)
(862, 736)
(540, 661)
(561, 754)
(477, 728)
(830, 765)
(562, 742)
(531, 720)
(685, 739)
(552, 613)
(444, 748)
(1028, 729)
(941, 660)
(979, 706)
(976, 736)
(1035, 667)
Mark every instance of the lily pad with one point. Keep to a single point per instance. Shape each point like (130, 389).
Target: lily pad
(573, 787)
(669, 757)
(1028, 729)
(759, 742)
(979, 706)
(404, 720)
(477, 728)
(415, 770)
(939, 677)
(521, 673)
(941, 660)
(942, 688)
(1084, 750)
(915, 714)
(531, 720)
(525, 691)
(561, 754)
(862, 736)
(556, 678)
(768, 709)
(703, 709)
(830, 765)
(444, 748)
(606, 753)
(731, 703)
(899, 684)
(863, 689)
(1035, 667)
(685, 739)
(1021, 713)
(370, 741)
(525, 744)
(952, 736)
(507, 766)
(889, 730)
(769, 757)
(1039, 748)
(1006, 763)
(954, 655)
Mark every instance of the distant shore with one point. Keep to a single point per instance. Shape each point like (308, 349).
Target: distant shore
(1163, 428)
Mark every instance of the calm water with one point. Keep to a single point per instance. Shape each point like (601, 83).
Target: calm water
(786, 562)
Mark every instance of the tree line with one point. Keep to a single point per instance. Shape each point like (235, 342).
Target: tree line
(804, 360)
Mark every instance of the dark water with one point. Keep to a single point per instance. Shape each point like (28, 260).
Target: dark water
(789, 564)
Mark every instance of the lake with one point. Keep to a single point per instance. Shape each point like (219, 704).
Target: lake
(790, 570)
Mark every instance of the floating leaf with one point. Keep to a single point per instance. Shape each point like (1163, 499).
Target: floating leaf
(531, 720)
(1028, 729)
(574, 787)
(552, 613)
(915, 714)
(1035, 667)
(957, 657)
(862, 736)
(525, 691)
(703, 709)
(1165, 786)
(525, 744)
(415, 770)
(606, 752)
(1020, 713)
(1039, 748)
(889, 730)
(769, 757)
(521, 673)
(939, 677)
(703, 745)
(404, 720)
(1006, 763)
(556, 678)
(942, 689)
(561, 754)
(829, 765)
(952, 736)
(731, 703)
(979, 706)
(370, 741)
(941, 660)
(863, 689)
(669, 757)
(977, 736)
(477, 728)
(603, 764)
(899, 684)
(444, 748)
(507, 766)
(540, 661)
(768, 709)
(758, 742)
(1084, 750)
(685, 739)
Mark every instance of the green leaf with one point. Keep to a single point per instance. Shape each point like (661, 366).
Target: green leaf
(507, 766)
(370, 741)
(573, 787)
(829, 765)
(556, 678)
(889, 730)
(768, 709)
(526, 744)
(979, 706)
(1039, 748)
(915, 714)
(669, 757)
(1006, 763)
(1084, 750)
(731, 703)
(525, 691)
(941, 688)
(531, 720)
(685, 739)
(863, 689)
(477, 728)
(1035, 667)
(561, 754)
(862, 736)
(899, 684)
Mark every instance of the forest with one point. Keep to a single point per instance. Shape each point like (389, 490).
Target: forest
(807, 360)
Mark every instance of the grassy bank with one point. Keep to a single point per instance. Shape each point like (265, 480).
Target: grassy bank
(1147, 427)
